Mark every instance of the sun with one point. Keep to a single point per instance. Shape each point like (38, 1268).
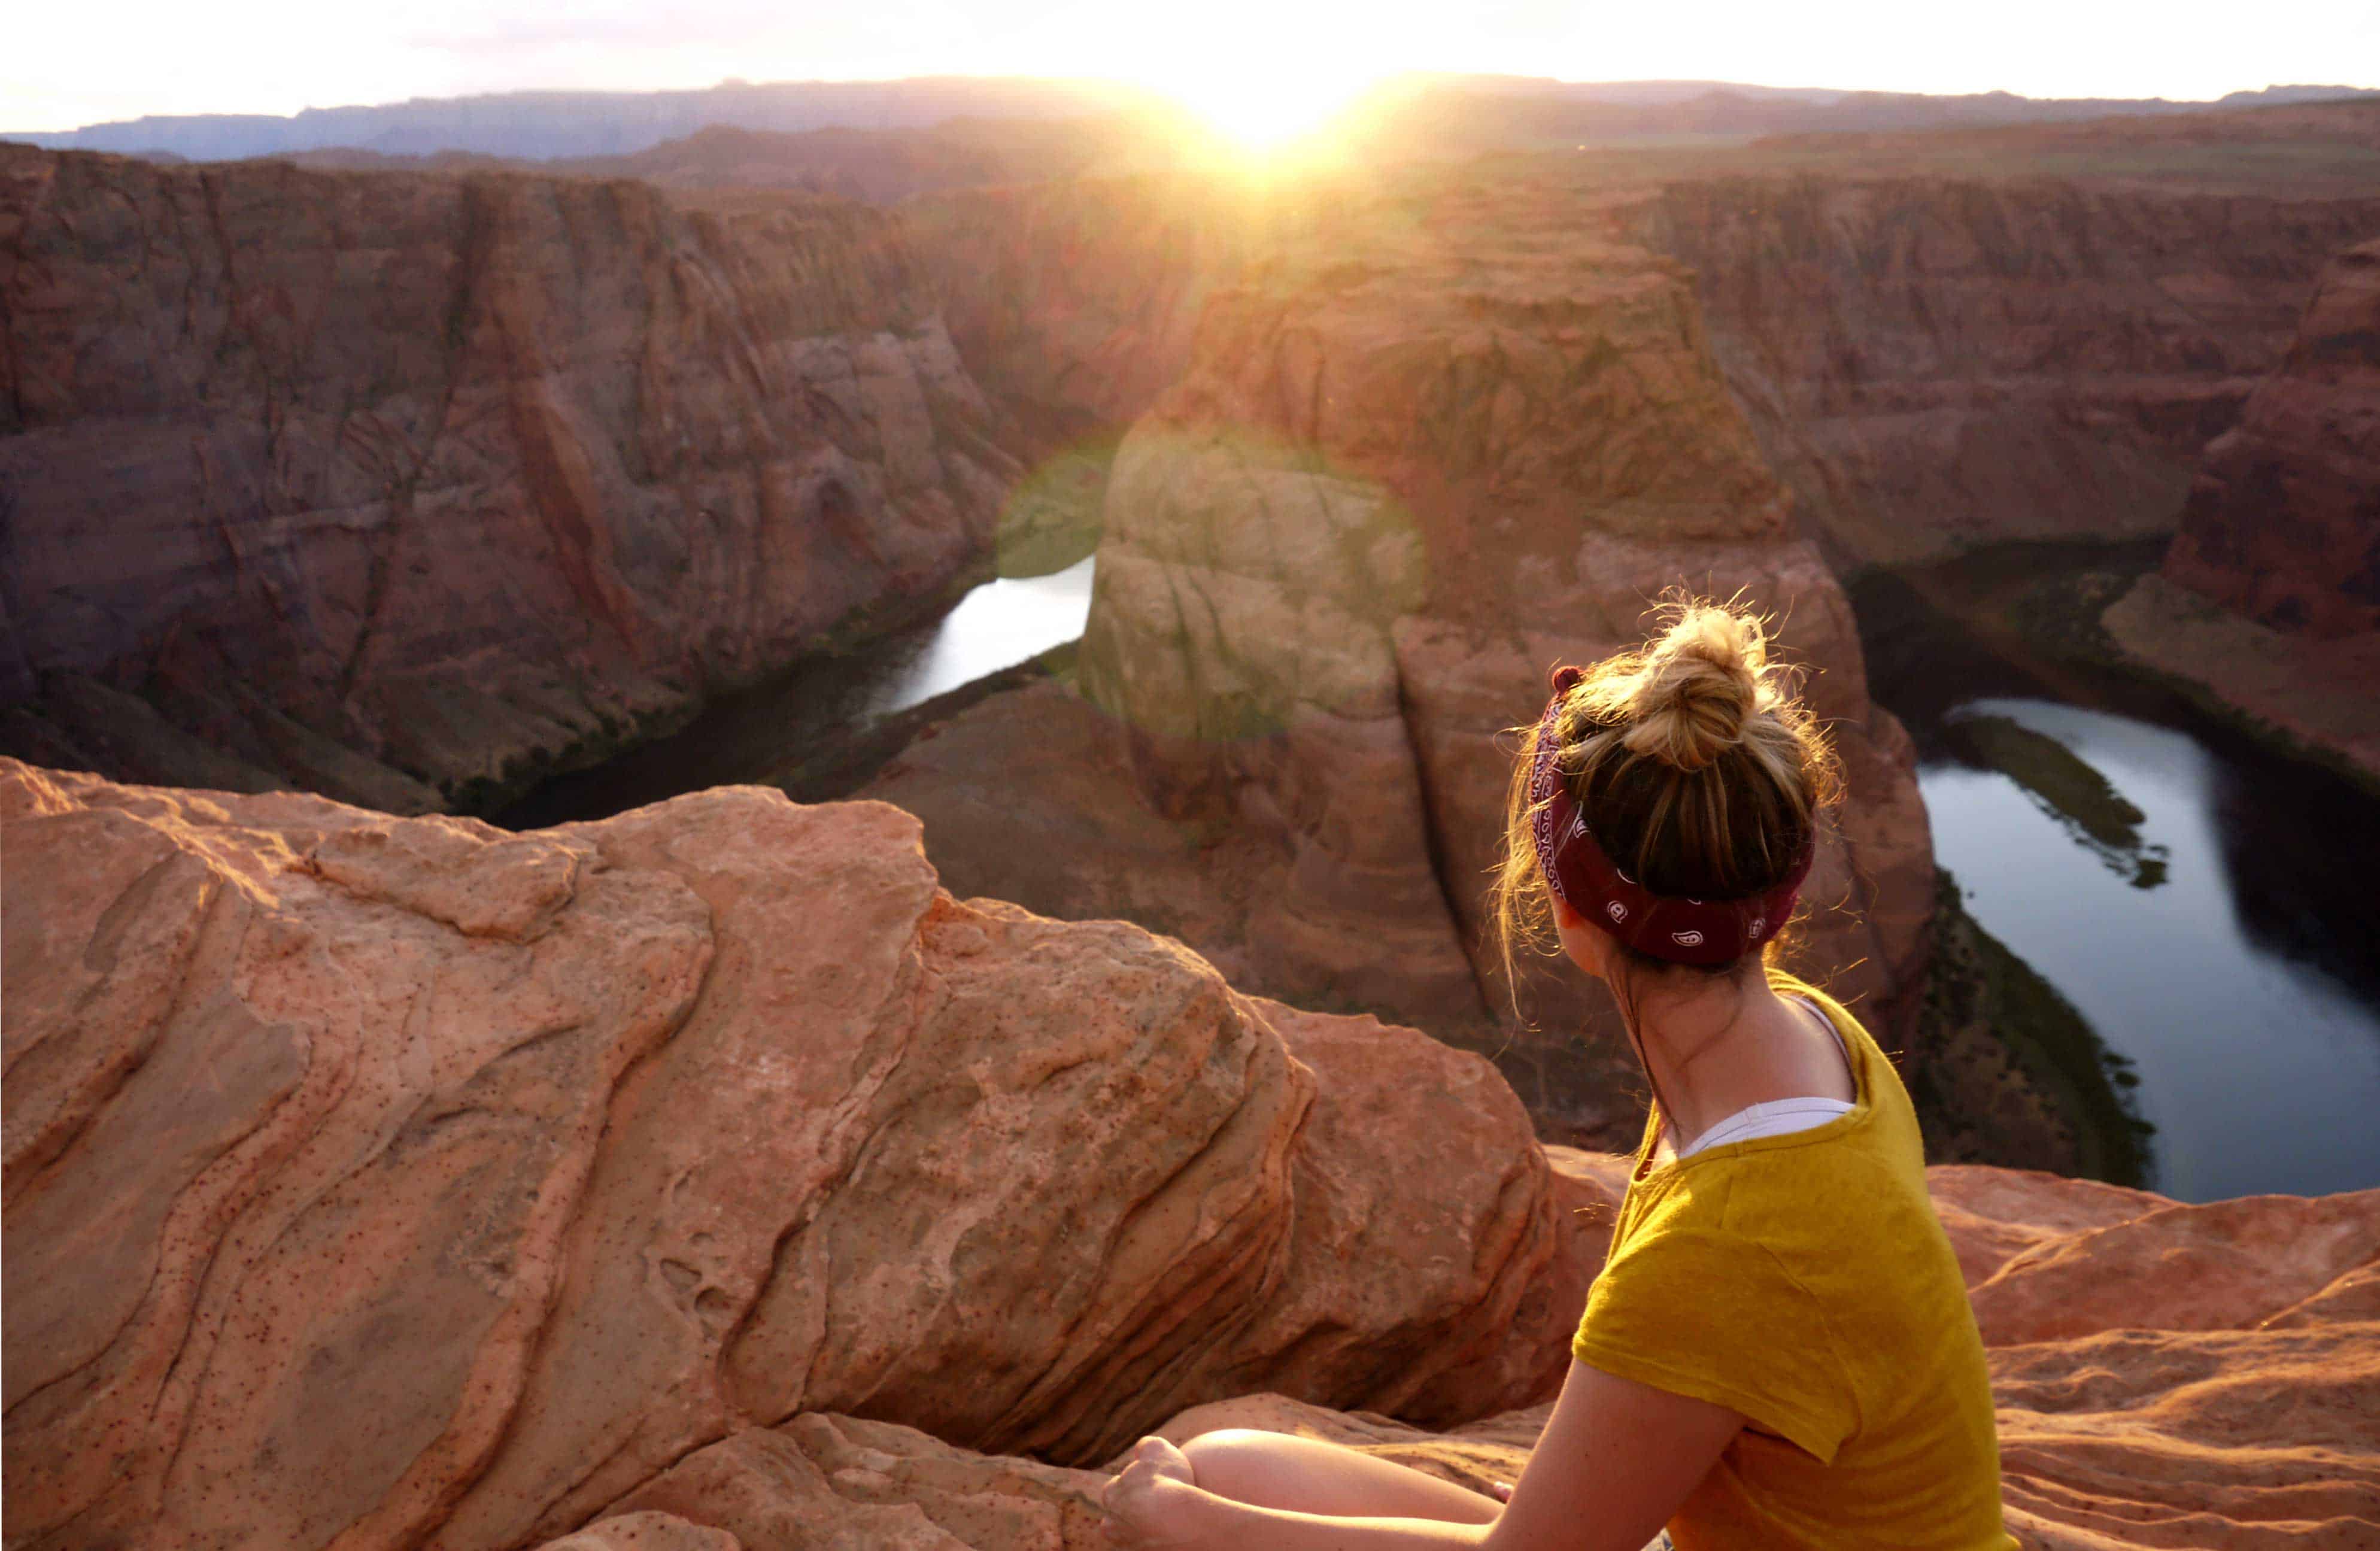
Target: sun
(1263, 73)
(1264, 105)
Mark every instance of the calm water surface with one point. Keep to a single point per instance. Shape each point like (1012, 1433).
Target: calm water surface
(2260, 1070)
(997, 626)
(2201, 900)
(762, 734)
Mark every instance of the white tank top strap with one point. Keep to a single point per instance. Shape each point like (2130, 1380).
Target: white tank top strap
(1780, 1117)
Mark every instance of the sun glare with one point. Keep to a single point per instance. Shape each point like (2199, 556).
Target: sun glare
(1262, 109)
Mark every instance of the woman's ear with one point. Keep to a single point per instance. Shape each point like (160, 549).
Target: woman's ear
(1580, 939)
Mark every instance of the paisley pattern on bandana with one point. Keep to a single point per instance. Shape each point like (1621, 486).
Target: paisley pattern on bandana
(1666, 927)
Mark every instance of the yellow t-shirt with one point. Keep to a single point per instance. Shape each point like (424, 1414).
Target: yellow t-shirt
(1804, 1281)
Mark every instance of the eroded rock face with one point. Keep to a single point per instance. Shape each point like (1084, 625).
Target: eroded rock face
(1075, 302)
(2270, 597)
(413, 1182)
(2283, 522)
(404, 487)
(1936, 364)
(1406, 473)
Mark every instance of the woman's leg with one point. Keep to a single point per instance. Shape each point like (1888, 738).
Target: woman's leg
(1308, 1476)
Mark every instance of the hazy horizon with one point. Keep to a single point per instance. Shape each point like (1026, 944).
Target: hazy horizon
(279, 57)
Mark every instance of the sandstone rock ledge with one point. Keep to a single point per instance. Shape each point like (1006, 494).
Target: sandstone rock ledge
(707, 1176)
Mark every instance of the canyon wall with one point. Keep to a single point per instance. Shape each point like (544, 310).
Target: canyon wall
(2283, 521)
(1935, 363)
(710, 1178)
(1931, 361)
(1075, 302)
(2269, 600)
(1409, 468)
(409, 487)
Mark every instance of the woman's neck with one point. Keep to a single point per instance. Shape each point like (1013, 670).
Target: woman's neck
(1720, 1046)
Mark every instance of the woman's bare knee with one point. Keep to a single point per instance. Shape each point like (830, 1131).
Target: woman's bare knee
(1242, 1463)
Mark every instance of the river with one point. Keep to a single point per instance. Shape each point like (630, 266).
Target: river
(789, 730)
(2203, 902)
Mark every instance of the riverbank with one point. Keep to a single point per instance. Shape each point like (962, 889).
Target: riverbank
(2004, 1070)
(2107, 608)
(2318, 700)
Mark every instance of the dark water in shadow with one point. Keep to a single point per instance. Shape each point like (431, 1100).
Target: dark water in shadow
(2202, 901)
(763, 733)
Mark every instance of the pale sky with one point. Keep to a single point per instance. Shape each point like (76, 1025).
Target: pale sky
(68, 64)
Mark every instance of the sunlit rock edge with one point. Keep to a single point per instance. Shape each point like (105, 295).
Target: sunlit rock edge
(708, 1177)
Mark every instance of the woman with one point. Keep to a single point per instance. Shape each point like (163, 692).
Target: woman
(1780, 1352)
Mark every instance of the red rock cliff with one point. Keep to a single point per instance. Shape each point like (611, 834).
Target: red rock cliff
(1930, 361)
(2283, 522)
(1076, 301)
(1935, 363)
(409, 486)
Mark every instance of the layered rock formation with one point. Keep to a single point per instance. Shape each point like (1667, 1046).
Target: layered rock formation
(1933, 363)
(407, 486)
(1930, 358)
(2281, 535)
(2283, 522)
(409, 1181)
(708, 1179)
(1412, 464)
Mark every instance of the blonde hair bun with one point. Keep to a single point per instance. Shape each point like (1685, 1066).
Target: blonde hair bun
(1692, 760)
(1697, 688)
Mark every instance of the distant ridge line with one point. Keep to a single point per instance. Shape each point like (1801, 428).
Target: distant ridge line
(543, 124)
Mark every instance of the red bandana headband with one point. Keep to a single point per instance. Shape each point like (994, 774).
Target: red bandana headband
(1687, 932)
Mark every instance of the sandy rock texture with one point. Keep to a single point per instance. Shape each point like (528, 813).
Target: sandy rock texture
(708, 1178)
(405, 1182)
(1410, 468)
(2210, 1385)
(1935, 363)
(2167, 1375)
(405, 487)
